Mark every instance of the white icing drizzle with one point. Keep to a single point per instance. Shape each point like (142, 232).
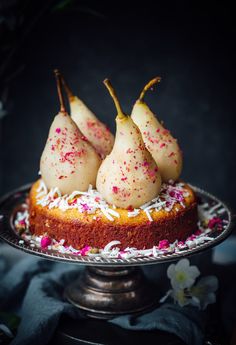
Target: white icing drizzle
(93, 202)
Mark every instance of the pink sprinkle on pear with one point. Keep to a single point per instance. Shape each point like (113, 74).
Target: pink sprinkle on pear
(115, 189)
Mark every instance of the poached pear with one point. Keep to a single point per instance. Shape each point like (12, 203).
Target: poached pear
(128, 177)
(158, 140)
(93, 129)
(68, 161)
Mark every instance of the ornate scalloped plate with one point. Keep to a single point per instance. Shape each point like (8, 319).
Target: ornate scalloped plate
(12, 201)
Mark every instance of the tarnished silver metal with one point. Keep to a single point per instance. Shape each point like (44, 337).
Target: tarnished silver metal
(106, 292)
(109, 287)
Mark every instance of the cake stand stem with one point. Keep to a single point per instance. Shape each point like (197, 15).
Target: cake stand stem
(107, 292)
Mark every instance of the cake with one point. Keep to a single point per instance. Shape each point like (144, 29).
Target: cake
(131, 193)
(132, 228)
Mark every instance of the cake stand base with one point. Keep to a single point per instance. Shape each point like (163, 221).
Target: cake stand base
(107, 292)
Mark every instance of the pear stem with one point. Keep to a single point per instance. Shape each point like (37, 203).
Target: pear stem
(112, 92)
(59, 91)
(67, 88)
(148, 86)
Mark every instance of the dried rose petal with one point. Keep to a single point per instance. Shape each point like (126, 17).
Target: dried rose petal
(45, 241)
(164, 244)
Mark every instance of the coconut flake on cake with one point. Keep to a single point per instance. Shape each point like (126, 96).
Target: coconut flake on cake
(93, 202)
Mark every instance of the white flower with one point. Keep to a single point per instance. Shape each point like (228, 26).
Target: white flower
(203, 293)
(182, 275)
(181, 297)
(184, 290)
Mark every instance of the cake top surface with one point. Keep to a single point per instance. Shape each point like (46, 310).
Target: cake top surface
(173, 198)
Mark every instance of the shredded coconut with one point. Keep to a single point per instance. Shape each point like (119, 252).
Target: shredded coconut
(133, 213)
(93, 202)
(148, 214)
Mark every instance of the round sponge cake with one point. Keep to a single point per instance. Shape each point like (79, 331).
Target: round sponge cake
(142, 230)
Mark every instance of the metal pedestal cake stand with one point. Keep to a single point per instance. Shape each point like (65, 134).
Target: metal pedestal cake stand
(108, 287)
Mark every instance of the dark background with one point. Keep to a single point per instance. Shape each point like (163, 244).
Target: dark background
(190, 46)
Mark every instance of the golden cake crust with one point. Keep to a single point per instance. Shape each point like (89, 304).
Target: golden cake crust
(81, 229)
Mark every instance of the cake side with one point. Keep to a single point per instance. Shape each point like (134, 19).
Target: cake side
(81, 228)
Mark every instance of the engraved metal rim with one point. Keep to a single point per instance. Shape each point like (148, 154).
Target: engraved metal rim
(8, 235)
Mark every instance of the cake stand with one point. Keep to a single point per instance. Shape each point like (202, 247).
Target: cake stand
(108, 287)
